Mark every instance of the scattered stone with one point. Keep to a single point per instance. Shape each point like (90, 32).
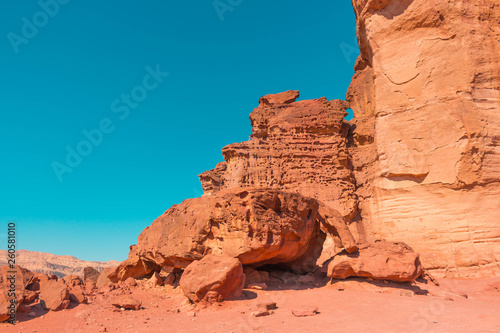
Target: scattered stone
(258, 286)
(268, 305)
(305, 311)
(260, 313)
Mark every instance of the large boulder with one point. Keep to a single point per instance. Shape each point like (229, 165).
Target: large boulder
(54, 295)
(12, 279)
(381, 261)
(256, 225)
(213, 278)
(90, 274)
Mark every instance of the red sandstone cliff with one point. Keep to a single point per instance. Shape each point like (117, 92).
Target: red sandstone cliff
(426, 129)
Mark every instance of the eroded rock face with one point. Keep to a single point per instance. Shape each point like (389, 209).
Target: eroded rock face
(257, 226)
(294, 146)
(381, 261)
(213, 278)
(426, 144)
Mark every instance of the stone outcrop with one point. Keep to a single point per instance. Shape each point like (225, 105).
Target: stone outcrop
(213, 278)
(425, 136)
(380, 261)
(295, 146)
(257, 226)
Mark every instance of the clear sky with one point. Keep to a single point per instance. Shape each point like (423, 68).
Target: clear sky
(159, 86)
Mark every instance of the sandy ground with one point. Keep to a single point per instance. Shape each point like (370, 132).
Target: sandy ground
(347, 306)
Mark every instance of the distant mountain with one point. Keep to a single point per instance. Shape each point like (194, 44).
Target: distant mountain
(53, 264)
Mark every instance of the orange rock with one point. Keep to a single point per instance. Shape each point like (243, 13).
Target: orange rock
(380, 261)
(213, 278)
(54, 295)
(126, 302)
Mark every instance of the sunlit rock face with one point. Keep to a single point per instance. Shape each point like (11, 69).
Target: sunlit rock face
(426, 130)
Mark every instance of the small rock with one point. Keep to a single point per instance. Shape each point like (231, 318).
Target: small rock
(126, 302)
(260, 313)
(305, 311)
(407, 293)
(268, 305)
(130, 281)
(257, 286)
(31, 314)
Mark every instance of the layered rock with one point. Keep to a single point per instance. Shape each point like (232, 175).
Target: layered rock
(257, 226)
(294, 146)
(425, 135)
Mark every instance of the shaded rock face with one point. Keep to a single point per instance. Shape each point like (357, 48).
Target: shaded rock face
(381, 261)
(213, 278)
(257, 226)
(294, 146)
(425, 134)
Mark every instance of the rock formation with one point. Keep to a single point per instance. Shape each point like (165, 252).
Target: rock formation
(257, 226)
(425, 134)
(419, 164)
(295, 146)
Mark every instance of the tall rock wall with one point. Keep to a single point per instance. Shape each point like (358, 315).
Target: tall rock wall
(426, 132)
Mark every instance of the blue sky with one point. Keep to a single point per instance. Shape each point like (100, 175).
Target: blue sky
(101, 67)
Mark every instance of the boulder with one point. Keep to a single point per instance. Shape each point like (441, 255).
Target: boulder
(77, 295)
(54, 295)
(90, 274)
(380, 261)
(213, 278)
(126, 302)
(103, 278)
